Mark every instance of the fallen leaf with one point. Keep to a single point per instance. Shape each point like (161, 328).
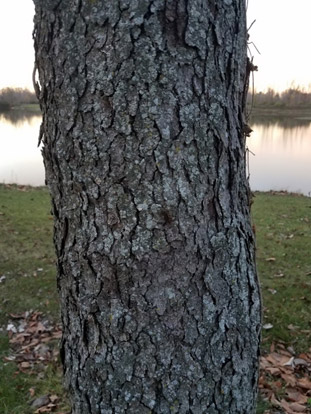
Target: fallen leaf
(286, 352)
(267, 326)
(296, 396)
(274, 401)
(277, 359)
(45, 409)
(289, 363)
(40, 401)
(305, 356)
(289, 379)
(11, 328)
(273, 370)
(17, 315)
(297, 408)
(285, 405)
(304, 383)
(270, 259)
(300, 361)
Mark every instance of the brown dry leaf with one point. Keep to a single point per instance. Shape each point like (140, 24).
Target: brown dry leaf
(57, 335)
(277, 359)
(33, 343)
(17, 316)
(274, 401)
(273, 370)
(306, 357)
(304, 383)
(19, 338)
(286, 353)
(286, 406)
(264, 363)
(289, 379)
(296, 396)
(297, 408)
(45, 409)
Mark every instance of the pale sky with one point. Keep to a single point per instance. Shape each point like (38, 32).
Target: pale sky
(281, 33)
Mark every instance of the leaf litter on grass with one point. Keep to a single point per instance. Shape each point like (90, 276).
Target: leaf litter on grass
(32, 341)
(285, 379)
(284, 376)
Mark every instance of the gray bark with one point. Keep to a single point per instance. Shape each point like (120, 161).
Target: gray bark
(144, 151)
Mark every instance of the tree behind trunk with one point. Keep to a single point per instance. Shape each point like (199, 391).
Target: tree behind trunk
(145, 160)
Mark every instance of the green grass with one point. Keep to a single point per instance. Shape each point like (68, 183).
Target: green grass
(283, 224)
(15, 397)
(26, 252)
(262, 406)
(27, 259)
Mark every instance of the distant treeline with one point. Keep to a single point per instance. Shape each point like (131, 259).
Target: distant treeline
(10, 97)
(290, 98)
(294, 97)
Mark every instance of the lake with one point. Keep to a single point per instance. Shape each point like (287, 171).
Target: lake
(279, 152)
(20, 157)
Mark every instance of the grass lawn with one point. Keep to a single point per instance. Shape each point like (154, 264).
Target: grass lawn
(27, 280)
(283, 232)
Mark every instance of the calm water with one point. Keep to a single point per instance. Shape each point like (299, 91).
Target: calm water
(282, 149)
(281, 158)
(20, 158)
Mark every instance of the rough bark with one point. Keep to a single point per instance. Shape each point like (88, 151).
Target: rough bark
(144, 152)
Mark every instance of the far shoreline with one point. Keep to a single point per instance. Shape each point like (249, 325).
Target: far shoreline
(303, 113)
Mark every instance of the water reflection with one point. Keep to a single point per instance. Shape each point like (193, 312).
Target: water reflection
(286, 122)
(20, 158)
(282, 148)
(18, 117)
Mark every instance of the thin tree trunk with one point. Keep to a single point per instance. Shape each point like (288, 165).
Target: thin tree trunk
(145, 160)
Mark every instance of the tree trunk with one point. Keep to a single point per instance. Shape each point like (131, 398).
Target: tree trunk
(144, 151)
